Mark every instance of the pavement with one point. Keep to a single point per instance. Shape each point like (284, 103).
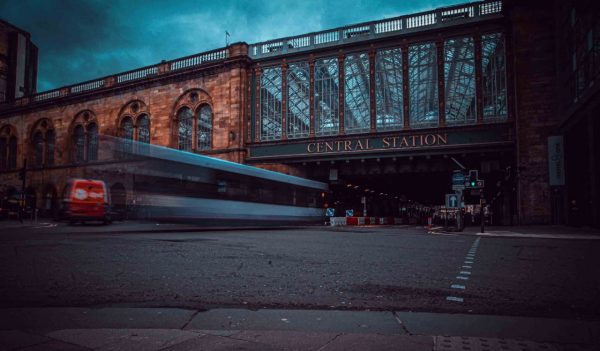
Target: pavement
(527, 231)
(129, 278)
(128, 226)
(266, 329)
(140, 226)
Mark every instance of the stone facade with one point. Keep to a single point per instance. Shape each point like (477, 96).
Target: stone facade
(533, 43)
(220, 86)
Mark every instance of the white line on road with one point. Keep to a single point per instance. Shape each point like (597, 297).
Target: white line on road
(457, 299)
(461, 277)
(468, 262)
(458, 286)
(467, 266)
(465, 272)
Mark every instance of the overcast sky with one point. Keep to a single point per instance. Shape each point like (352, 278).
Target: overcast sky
(82, 40)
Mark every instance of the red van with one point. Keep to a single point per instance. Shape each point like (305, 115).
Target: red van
(86, 200)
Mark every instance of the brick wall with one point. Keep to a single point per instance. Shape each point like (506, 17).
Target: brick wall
(533, 44)
(220, 87)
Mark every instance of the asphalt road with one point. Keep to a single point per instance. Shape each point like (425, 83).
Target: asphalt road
(376, 268)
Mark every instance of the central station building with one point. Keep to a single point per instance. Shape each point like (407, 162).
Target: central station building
(383, 111)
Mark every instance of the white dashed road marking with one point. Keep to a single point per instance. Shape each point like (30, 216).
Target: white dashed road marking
(469, 260)
(453, 298)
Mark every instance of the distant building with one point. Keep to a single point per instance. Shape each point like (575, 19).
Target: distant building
(18, 63)
(379, 110)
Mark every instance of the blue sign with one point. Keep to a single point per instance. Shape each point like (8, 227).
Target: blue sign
(349, 213)
(458, 178)
(451, 200)
(330, 212)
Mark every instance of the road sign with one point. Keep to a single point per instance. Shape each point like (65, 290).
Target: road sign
(330, 212)
(452, 201)
(458, 178)
(349, 213)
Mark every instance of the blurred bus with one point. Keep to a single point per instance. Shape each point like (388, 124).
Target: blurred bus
(183, 186)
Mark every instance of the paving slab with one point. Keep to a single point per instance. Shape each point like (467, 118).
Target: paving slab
(370, 342)
(220, 343)
(80, 318)
(12, 339)
(535, 329)
(55, 345)
(287, 340)
(123, 339)
(305, 320)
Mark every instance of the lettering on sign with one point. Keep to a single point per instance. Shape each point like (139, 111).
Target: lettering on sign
(393, 142)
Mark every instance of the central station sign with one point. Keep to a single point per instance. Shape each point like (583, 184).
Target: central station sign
(391, 142)
(381, 143)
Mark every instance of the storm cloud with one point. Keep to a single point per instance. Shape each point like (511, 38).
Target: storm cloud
(83, 40)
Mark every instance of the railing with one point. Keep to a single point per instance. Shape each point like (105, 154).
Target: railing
(370, 30)
(125, 77)
(199, 59)
(96, 84)
(47, 95)
(137, 74)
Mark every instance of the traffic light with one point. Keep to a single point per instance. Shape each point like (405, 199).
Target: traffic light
(473, 181)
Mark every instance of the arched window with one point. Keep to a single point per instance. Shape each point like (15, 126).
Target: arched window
(8, 149)
(12, 152)
(3, 153)
(185, 121)
(50, 140)
(92, 142)
(127, 128)
(38, 149)
(126, 133)
(78, 144)
(143, 129)
(204, 129)
(42, 144)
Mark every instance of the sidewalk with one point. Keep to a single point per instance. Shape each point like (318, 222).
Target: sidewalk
(129, 226)
(226, 329)
(525, 231)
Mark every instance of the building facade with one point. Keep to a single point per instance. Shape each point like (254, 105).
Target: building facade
(18, 63)
(384, 111)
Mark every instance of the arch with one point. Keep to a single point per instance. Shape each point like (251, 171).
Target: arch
(192, 99)
(185, 129)
(30, 200)
(92, 142)
(38, 148)
(41, 145)
(118, 196)
(78, 144)
(204, 127)
(83, 133)
(49, 204)
(132, 108)
(50, 142)
(8, 147)
(143, 128)
(137, 112)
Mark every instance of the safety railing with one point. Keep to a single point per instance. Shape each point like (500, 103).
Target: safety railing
(370, 30)
(137, 74)
(96, 84)
(199, 59)
(47, 95)
(129, 76)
